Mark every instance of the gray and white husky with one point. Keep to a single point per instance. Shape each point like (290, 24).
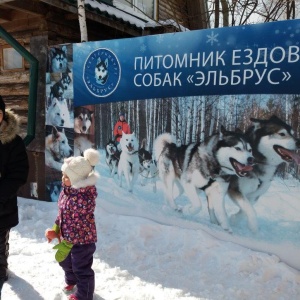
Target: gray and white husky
(273, 143)
(112, 157)
(195, 166)
(129, 160)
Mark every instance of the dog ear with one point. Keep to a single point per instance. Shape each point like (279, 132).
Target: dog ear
(55, 133)
(223, 132)
(238, 130)
(64, 49)
(257, 123)
(53, 52)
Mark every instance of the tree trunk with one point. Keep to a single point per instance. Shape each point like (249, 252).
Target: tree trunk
(82, 20)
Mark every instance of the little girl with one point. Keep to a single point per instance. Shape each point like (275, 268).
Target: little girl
(75, 224)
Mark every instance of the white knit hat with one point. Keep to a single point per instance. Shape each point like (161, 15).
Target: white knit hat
(79, 168)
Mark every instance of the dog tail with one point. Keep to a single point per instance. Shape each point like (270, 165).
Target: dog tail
(161, 142)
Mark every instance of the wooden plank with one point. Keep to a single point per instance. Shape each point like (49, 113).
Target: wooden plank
(25, 25)
(17, 104)
(12, 77)
(6, 15)
(14, 90)
(34, 7)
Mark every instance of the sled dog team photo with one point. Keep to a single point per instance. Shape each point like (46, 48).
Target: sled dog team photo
(231, 164)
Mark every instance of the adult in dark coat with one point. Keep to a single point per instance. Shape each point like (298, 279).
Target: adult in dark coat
(13, 174)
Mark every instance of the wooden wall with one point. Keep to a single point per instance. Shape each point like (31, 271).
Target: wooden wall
(188, 13)
(14, 88)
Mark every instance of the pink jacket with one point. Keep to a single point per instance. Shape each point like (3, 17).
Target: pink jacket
(75, 217)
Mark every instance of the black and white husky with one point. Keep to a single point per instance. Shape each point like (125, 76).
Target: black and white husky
(112, 157)
(273, 143)
(58, 89)
(129, 164)
(195, 166)
(101, 71)
(148, 166)
(59, 62)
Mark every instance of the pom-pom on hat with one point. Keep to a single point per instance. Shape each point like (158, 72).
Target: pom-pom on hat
(80, 168)
(2, 106)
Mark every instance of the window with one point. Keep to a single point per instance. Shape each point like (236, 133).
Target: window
(146, 6)
(11, 59)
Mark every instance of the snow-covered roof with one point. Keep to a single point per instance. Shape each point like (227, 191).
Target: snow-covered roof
(120, 11)
(127, 14)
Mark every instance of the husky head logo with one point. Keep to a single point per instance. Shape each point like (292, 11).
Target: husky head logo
(102, 72)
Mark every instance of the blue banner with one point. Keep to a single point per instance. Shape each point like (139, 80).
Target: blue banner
(251, 59)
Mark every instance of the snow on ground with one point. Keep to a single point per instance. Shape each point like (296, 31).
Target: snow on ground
(146, 251)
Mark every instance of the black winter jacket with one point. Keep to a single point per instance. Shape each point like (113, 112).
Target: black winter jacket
(13, 169)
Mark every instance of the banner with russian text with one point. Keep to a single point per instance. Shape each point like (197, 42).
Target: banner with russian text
(199, 129)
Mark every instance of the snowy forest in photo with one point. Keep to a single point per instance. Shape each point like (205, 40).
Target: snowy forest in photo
(193, 119)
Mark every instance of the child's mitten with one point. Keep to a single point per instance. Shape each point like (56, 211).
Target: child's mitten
(63, 250)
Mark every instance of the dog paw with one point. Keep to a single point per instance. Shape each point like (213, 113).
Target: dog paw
(178, 209)
(228, 229)
(191, 210)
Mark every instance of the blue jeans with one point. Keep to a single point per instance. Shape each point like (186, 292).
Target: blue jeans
(78, 270)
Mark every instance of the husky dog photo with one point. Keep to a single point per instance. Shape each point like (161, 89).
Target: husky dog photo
(61, 87)
(57, 147)
(194, 166)
(112, 157)
(58, 59)
(129, 164)
(273, 142)
(59, 114)
(83, 119)
(148, 166)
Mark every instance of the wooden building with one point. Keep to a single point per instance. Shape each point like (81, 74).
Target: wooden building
(37, 25)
